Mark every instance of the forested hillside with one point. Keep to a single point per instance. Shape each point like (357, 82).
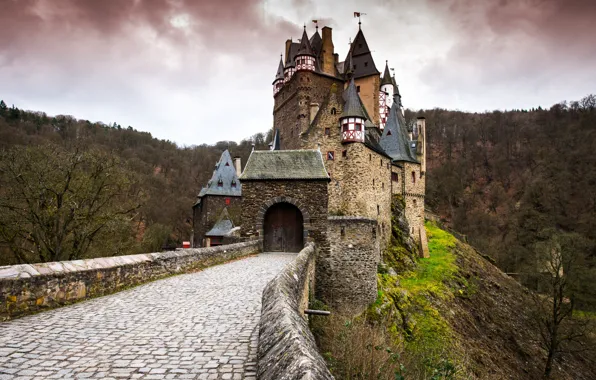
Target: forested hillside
(512, 181)
(157, 179)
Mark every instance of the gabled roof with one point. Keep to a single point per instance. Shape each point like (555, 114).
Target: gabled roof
(280, 71)
(360, 58)
(224, 173)
(353, 104)
(316, 42)
(284, 164)
(223, 224)
(386, 79)
(305, 48)
(394, 140)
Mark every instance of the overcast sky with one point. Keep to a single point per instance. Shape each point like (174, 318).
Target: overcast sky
(200, 71)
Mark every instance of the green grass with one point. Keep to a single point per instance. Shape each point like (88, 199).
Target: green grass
(417, 294)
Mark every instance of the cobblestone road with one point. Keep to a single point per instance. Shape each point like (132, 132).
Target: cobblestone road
(195, 326)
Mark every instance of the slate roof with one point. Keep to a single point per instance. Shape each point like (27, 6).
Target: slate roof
(222, 226)
(360, 58)
(386, 79)
(294, 46)
(226, 173)
(395, 141)
(317, 43)
(285, 164)
(280, 71)
(305, 48)
(353, 105)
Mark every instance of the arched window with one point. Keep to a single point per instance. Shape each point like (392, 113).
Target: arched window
(333, 111)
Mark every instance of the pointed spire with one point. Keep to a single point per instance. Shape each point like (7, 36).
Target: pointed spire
(280, 69)
(394, 140)
(305, 47)
(386, 79)
(353, 105)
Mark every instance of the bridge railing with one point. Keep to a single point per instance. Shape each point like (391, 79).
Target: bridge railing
(28, 288)
(287, 348)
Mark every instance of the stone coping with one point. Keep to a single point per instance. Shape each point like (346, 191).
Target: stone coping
(287, 348)
(58, 267)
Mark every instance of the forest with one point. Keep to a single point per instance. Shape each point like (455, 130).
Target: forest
(509, 180)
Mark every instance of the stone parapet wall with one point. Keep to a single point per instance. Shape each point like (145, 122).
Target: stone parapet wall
(287, 348)
(349, 281)
(29, 288)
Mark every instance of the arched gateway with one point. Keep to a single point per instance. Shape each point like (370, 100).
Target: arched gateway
(283, 228)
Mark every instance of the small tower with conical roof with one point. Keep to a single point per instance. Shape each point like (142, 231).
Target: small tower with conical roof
(305, 57)
(385, 96)
(278, 82)
(353, 117)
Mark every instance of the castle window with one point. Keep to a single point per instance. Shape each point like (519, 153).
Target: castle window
(357, 127)
(344, 153)
(381, 162)
(233, 183)
(413, 177)
(383, 185)
(414, 202)
(327, 131)
(333, 111)
(395, 177)
(388, 133)
(365, 64)
(342, 231)
(220, 183)
(374, 232)
(357, 87)
(330, 156)
(370, 157)
(227, 164)
(378, 210)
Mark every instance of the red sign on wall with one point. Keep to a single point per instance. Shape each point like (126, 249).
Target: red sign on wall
(228, 200)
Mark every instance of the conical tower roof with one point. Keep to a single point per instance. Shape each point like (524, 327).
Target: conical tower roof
(292, 54)
(386, 79)
(305, 48)
(224, 174)
(316, 42)
(360, 57)
(394, 140)
(352, 105)
(280, 71)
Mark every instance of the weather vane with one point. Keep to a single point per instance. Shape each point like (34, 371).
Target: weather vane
(359, 14)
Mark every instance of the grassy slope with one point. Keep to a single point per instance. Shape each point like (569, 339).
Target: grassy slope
(457, 309)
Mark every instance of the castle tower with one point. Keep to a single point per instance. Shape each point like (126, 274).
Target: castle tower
(385, 96)
(360, 66)
(278, 82)
(305, 57)
(290, 68)
(353, 117)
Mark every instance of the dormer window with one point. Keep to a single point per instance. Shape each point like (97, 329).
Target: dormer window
(220, 183)
(227, 164)
(234, 184)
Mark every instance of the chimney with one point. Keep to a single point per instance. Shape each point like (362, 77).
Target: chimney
(288, 44)
(328, 64)
(238, 165)
(421, 126)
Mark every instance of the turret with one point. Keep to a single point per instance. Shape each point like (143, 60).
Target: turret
(279, 78)
(385, 96)
(305, 57)
(290, 67)
(421, 143)
(353, 117)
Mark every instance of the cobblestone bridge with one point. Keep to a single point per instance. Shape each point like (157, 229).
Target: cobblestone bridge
(195, 326)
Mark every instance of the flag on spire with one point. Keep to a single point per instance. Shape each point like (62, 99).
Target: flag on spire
(356, 14)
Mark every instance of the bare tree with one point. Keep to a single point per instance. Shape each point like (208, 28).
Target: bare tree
(55, 204)
(559, 261)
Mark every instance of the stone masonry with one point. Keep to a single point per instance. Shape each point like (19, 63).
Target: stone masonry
(350, 281)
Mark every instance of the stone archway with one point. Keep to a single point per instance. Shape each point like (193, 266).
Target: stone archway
(283, 227)
(260, 219)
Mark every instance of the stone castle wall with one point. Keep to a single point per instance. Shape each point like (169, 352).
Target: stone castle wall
(29, 288)
(208, 211)
(350, 278)
(414, 196)
(287, 348)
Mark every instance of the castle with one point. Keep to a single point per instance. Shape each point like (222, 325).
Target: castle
(353, 117)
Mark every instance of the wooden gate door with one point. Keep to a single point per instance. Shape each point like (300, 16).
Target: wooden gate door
(283, 227)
